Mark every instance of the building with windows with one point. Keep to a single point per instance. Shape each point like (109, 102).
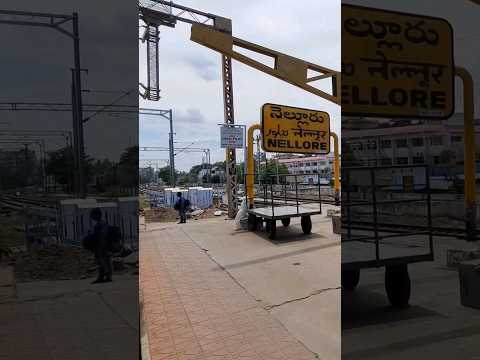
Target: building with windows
(211, 174)
(309, 166)
(434, 142)
(147, 175)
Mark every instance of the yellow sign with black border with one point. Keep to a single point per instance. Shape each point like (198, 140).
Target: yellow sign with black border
(287, 129)
(396, 64)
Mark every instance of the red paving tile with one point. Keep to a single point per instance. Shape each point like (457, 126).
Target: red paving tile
(194, 310)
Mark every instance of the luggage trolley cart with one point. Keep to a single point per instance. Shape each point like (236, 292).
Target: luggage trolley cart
(285, 197)
(379, 205)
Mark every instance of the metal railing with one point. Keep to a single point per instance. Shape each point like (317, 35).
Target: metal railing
(367, 197)
(281, 190)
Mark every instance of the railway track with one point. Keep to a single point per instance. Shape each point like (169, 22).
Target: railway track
(399, 228)
(17, 203)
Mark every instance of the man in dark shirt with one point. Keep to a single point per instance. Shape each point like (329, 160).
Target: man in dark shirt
(103, 257)
(181, 205)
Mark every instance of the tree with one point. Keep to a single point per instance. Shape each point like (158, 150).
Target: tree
(273, 167)
(240, 170)
(128, 167)
(220, 164)
(195, 170)
(183, 178)
(59, 165)
(164, 174)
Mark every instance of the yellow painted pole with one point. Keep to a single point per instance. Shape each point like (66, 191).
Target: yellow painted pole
(336, 166)
(469, 154)
(250, 176)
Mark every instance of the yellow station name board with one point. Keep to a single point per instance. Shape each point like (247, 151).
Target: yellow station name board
(287, 129)
(396, 64)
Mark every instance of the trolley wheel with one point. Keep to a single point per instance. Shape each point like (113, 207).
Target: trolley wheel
(350, 279)
(306, 224)
(271, 227)
(397, 285)
(252, 222)
(286, 222)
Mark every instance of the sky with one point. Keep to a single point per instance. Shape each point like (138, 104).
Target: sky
(190, 74)
(35, 66)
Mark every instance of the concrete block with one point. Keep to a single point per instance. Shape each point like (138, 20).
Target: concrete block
(337, 224)
(469, 272)
(455, 256)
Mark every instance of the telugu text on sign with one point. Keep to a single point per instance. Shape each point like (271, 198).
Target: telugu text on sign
(396, 64)
(295, 130)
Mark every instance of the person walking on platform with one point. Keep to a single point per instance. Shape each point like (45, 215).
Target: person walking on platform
(181, 205)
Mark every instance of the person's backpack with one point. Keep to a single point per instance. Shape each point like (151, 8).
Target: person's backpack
(88, 243)
(114, 239)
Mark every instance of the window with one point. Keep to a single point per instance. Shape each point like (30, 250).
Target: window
(436, 140)
(417, 142)
(314, 164)
(355, 146)
(401, 143)
(386, 144)
(386, 161)
(307, 164)
(418, 159)
(456, 138)
(402, 161)
(315, 171)
(372, 145)
(436, 159)
(307, 171)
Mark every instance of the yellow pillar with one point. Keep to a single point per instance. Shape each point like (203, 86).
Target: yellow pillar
(336, 166)
(469, 154)
(250, 176)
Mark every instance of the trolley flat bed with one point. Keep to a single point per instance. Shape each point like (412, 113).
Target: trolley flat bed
(282, 201)
(361, 254)
(375, 246)
(270, 215)
(282, 212)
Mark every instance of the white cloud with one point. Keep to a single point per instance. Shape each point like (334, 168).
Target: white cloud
(190, 74)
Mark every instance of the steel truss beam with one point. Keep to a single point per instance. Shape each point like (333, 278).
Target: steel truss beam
(166, 13)
(287, 68)
(36, 19)
(168, 115)
(55, 21)
(66, 107)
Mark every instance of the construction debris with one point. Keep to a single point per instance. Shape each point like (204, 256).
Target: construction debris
(59, 262)
(196, 213)
(171, 215)
(332, 212)
(53, 262)
(160, 215)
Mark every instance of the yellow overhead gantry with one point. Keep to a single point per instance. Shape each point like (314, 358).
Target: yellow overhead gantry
(214, 32)
(286, 68)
